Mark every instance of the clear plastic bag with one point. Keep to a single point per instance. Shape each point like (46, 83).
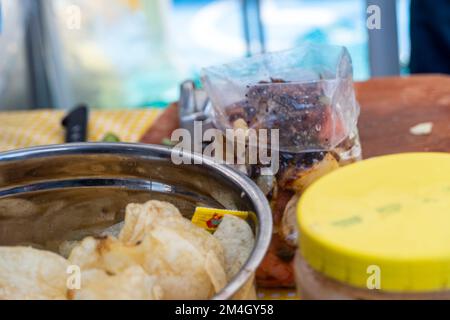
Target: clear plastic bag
(307, 93)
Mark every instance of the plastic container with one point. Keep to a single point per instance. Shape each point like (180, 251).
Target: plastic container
(378, 229)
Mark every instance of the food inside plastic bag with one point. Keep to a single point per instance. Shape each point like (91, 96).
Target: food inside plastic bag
(306, 94)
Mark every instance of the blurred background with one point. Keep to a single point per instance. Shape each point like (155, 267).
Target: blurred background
(134, 53)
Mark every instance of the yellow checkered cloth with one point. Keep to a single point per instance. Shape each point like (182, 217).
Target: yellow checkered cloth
(23, 129)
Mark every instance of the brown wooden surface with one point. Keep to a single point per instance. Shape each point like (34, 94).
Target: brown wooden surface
(163, 126)
(389, 108)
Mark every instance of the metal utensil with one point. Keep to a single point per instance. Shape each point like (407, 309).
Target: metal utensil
(194, 106)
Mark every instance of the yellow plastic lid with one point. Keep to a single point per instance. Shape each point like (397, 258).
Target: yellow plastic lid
(388, 217)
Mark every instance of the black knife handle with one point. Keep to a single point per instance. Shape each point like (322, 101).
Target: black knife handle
(76, 123)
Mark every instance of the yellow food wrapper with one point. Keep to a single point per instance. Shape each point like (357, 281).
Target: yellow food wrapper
(210, 218)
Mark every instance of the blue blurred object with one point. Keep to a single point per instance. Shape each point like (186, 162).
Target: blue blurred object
(430, 36)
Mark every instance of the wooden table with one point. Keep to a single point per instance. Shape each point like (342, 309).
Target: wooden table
(389, 108)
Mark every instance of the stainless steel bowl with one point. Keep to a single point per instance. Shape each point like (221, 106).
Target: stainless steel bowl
(54, 193)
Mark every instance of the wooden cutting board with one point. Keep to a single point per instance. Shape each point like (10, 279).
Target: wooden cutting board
(389, 108)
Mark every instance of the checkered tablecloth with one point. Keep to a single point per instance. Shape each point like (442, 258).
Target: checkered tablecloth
(32, 128)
